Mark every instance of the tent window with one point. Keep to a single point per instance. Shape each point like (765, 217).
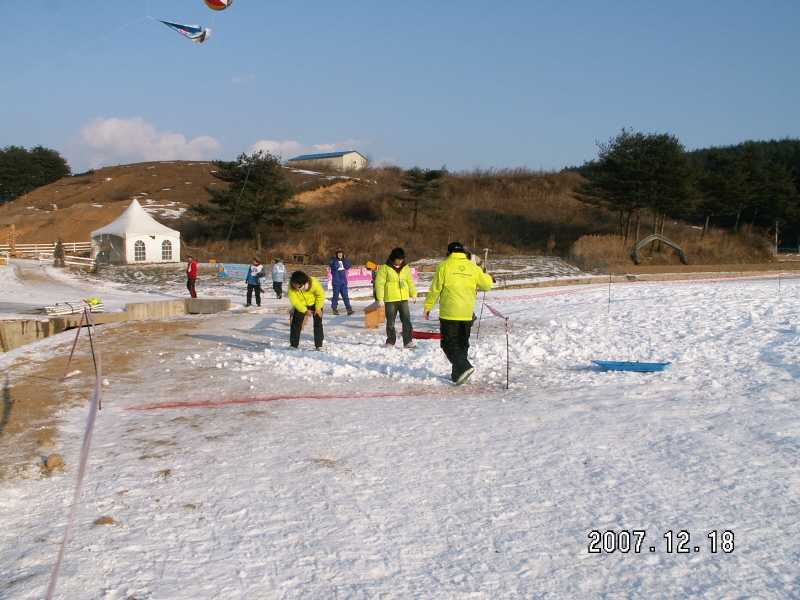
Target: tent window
(166, 250)
(139, 251)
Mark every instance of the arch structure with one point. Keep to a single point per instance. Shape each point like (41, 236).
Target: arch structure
(658, 238)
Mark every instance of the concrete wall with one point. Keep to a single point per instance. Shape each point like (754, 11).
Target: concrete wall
(20, 332)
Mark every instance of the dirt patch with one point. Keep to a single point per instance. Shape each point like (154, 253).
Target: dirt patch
(323, 196)
(34, 392)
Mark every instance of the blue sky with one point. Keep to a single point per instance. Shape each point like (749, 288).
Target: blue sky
(469, 84)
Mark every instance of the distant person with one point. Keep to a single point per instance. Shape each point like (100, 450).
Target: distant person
(454, 287)
(191, 275)
(307, 298)
(394, 285)
(339, 267)
(254, 277)
(278, 277)
(373, 271)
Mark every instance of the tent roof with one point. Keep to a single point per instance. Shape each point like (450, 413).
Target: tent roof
(135, 221)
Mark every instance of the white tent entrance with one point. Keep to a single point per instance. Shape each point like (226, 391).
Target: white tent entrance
(135, 237)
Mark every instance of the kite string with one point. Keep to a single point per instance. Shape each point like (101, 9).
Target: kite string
(236, 209)
(63, 56)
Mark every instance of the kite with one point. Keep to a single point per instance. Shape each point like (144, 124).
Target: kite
(218, 4)
(193, 32)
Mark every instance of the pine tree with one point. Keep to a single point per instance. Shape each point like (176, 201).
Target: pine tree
(422, 189)
(256, 198)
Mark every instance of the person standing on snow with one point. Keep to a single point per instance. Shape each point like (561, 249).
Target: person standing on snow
(307, 298)
(278, 277)
(394, 285)
(254, 277)
(191, 275)
(339, 267)
(454, 288)
(373, 271)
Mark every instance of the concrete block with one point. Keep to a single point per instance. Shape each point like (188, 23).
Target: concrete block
(207, 306)
(71, 321)
(141, 311)
(14, 334)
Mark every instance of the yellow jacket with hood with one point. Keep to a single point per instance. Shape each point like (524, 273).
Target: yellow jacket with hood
(391, 286)
(454, 287)
(311, 294)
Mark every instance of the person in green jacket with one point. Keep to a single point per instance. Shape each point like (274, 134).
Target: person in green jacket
(453, 287)
(394, 285)
(307, 298)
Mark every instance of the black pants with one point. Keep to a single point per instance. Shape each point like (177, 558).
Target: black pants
(253, 288)
(392, 310)
(297, 326)
(190, 286)
(455, 343)
(277, 286)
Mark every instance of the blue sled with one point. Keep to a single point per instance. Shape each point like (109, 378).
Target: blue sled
(641, 367)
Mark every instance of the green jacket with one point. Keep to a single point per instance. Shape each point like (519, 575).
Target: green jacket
(454, 287)
(311, 294)
(391, 286)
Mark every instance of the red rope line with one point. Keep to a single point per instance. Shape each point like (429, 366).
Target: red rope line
(226, 402)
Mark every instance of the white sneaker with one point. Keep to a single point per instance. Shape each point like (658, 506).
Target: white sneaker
(320, 349)
(411, 344)
(390, 345)
(293, 348)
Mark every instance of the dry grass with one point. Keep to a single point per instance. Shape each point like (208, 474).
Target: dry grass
(595, 252)
(508, 211)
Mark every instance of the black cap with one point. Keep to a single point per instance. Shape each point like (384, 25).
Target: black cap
(397, 253)
(454, 247)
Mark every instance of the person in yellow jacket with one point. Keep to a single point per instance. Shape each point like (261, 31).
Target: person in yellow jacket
(394, 285)
(307, 298)
(453, 287)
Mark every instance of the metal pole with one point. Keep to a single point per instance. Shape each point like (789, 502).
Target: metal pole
(506, 353)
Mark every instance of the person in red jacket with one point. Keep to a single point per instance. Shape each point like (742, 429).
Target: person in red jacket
(191, 275)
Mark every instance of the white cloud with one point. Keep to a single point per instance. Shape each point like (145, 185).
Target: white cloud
(121, 141)
(291, 149)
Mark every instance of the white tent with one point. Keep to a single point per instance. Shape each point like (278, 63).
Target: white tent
(135, 237)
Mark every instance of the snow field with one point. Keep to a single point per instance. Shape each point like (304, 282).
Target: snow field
(484, 493)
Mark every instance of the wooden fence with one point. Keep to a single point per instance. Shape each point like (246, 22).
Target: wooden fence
(69, 248)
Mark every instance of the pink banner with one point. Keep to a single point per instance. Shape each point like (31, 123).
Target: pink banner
(360, 277)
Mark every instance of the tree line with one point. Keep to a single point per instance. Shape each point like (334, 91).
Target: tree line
(757, 183)
(22, 171)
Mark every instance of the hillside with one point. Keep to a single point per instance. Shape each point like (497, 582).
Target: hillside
(73, 207)
(509, 212)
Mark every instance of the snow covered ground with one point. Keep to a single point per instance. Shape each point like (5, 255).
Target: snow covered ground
(234, 468)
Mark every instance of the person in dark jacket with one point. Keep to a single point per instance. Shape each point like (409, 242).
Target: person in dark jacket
(254, 277)
(191, 275)
(339, 266)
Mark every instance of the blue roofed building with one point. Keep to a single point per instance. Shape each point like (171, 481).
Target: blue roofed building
(348, 160)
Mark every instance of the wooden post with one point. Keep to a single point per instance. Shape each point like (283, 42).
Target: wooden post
(11, 236)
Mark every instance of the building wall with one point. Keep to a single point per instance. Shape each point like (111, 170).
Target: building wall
(349, 162)
(152, 249)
